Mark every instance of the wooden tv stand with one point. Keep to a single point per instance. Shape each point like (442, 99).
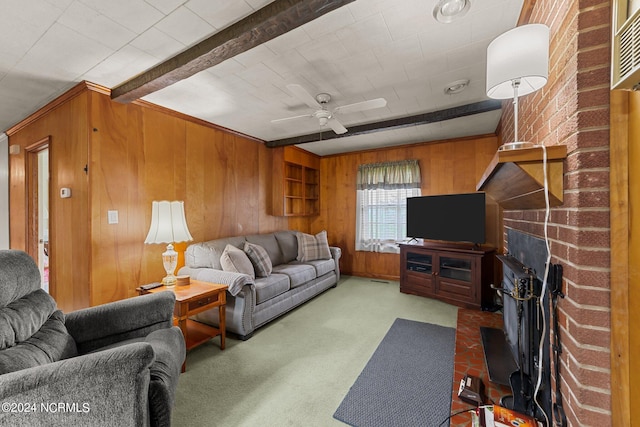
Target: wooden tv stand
(456, 274)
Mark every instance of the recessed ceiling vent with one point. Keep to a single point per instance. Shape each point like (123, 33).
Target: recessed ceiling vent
(626, 55)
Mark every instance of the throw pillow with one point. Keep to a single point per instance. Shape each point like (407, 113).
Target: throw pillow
(259, 258)
(311, 248)
(234, 259)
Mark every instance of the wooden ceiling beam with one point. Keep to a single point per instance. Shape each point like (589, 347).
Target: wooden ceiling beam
(267, 23)
(417, 120)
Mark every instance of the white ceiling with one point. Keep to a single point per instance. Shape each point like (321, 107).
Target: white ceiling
(364, 50)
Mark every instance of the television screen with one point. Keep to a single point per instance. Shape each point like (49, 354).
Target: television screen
(450, 217)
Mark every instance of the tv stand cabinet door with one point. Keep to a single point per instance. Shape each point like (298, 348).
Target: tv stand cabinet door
(456, 281)
(417, 271)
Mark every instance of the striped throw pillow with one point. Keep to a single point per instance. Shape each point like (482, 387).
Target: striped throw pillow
(311, 248)
(259, 258)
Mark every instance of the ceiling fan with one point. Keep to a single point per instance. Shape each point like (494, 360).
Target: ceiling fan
(322, 112)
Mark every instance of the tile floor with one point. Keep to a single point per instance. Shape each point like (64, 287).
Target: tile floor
(469, 359)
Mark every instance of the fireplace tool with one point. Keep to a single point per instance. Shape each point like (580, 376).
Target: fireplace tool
(558, 411)
(520, 382)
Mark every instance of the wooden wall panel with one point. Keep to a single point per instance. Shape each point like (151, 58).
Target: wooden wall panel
(625, 255)
(68, 218)
(135, 154)
(447, 167)
(152, 155)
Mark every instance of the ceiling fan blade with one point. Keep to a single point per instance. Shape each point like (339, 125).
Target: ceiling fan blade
(304, 96)
(337, 126)
(361, 106)
(292, 118)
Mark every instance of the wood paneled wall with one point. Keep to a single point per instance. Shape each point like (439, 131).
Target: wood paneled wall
(139, 155)
(453, 166)
(66, 124)
(625, 254)
(136, 154)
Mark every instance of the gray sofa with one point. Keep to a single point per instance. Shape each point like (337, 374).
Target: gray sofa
(114, 364)
(251, 302)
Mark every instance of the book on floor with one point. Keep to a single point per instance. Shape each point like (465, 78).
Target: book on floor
(498, 416)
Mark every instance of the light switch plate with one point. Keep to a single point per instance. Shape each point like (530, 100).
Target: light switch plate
(112, 217)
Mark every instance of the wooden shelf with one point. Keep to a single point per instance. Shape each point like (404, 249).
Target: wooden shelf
(515, 178)
(296, 181)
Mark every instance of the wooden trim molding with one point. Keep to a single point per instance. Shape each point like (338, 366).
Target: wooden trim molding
(620, 211)
(192, 119)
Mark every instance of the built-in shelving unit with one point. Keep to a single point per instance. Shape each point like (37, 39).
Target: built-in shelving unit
(515, 178)
(296, 184)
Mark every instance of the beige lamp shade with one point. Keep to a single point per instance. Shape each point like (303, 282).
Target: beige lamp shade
(168, 223)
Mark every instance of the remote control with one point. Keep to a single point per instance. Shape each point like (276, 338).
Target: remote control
(151, 286)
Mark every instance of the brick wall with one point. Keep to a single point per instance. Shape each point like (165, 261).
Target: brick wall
(573, 109)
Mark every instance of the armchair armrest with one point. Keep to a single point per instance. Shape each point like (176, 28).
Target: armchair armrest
(102, 325)
(105, 388)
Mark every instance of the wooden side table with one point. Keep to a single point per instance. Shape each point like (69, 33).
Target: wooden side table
(192, 299)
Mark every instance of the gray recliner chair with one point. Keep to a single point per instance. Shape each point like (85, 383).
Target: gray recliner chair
(114, 364)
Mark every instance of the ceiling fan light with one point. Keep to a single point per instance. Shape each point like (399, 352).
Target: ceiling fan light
(447, 11)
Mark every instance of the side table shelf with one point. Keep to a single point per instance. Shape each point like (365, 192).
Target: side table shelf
(192, 299)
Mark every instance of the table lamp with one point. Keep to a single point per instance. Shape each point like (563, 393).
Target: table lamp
(168, 225)
(518, 64)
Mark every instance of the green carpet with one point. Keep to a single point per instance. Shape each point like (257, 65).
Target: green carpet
(296, 370)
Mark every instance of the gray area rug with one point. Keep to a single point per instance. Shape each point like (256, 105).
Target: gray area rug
(407, 382)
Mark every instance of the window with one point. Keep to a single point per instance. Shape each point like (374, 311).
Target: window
(381, 206)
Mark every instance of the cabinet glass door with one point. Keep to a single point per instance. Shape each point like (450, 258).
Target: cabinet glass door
(420, 263)
(455, 268)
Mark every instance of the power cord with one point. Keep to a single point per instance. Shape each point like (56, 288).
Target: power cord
(475, 408)
(544, 283)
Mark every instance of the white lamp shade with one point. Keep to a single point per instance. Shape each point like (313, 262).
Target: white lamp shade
(519, 54)
(168, 223)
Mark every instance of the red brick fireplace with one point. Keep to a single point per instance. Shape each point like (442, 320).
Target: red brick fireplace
(573, 109)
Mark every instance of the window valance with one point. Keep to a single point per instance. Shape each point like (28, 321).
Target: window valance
(389, 175)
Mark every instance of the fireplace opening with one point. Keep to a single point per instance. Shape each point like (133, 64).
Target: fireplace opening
(512, 355)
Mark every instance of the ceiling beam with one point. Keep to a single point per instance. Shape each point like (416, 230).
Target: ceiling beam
(417, 120)
(265, 24)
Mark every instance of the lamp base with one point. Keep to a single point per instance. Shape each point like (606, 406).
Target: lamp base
(516, 146)
(170, 281)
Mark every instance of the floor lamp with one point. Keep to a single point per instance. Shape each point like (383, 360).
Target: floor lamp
(518, 64)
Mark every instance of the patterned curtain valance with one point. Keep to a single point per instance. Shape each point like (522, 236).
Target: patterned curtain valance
(389, 175)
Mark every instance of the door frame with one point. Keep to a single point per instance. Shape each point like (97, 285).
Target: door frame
(32, 233)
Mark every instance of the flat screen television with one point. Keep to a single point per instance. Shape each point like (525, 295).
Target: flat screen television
(450, 217)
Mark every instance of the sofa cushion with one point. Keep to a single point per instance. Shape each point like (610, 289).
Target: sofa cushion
(323, 266)
(299, 274)
(259, 258)
(288, 243)
(270, 244)
(270, 287)
(235, 260)
(207, 254)
(49, 344)
(311, 248)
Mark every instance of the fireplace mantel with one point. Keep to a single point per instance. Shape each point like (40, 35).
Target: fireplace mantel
(515, 178)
